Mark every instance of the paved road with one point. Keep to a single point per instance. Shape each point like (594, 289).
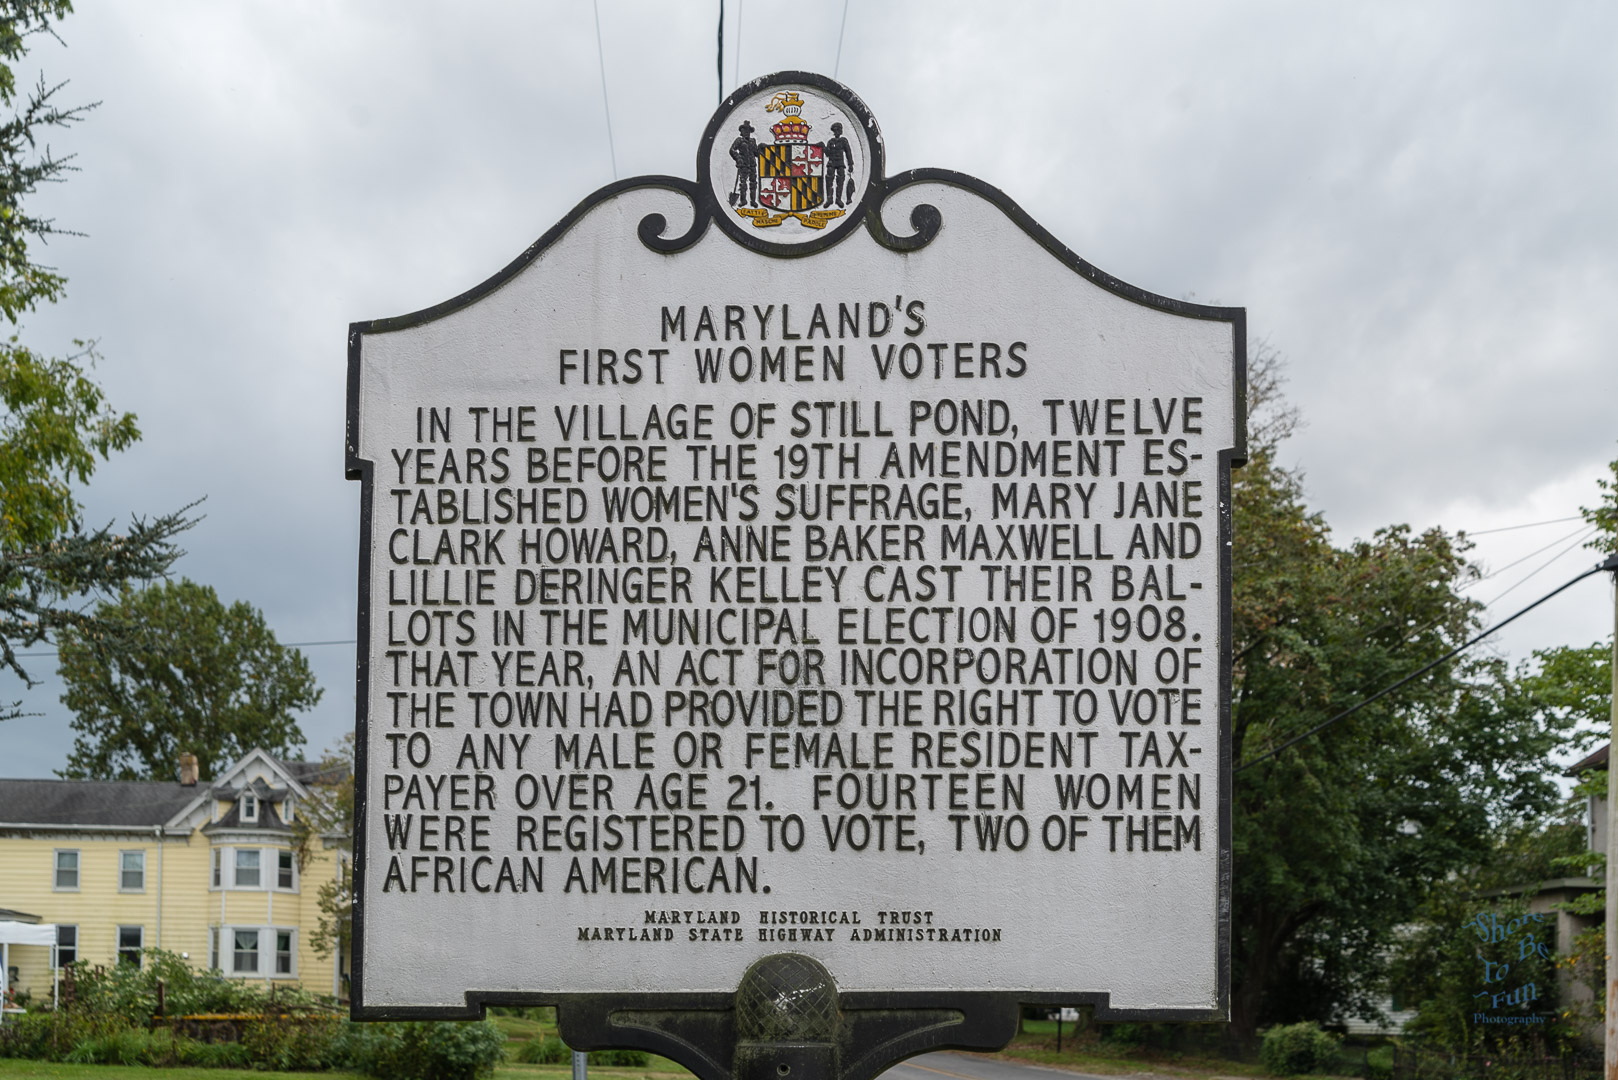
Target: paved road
(947, 1066)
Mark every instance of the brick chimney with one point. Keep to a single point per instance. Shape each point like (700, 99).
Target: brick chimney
(188, 770)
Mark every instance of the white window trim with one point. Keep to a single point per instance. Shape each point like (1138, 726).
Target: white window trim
(236, 870)
(249, 807)
(78, 869)
(142, 886)
(277, 886)
(118, 941)
(224, 948)
(269, 870)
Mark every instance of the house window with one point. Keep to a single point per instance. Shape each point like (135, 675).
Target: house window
(286, 810)
(283, 870)
(283, 952)
(67, 944)
(244, 952)
(213, 948)
(247, 868)
(67, 871)
(129, 944)
(249, 806)
(218, 860)
(132, 871)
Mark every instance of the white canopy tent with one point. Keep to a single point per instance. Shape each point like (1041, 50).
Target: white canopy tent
(21, 933)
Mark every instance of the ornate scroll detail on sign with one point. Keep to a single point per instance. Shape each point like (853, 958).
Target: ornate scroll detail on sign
(652, 226)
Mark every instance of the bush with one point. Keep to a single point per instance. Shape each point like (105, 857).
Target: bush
(117, 1035)
(1123, 1034)
(547, 1051)
(50, 1036)
(631, 1058)
(438, 1050)
(1298, 1048)
(292, 1044)
(130, 992)
(553, 1051)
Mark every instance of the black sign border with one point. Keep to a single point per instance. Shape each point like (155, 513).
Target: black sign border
(927, 222)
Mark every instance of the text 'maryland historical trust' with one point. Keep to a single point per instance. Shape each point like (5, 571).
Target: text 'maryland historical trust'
(796, 559)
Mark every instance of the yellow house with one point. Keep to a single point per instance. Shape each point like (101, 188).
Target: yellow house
(210, 871)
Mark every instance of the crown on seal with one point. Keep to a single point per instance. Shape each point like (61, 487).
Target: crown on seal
(791, 127)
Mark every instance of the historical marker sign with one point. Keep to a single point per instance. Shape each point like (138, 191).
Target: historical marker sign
(800, 560)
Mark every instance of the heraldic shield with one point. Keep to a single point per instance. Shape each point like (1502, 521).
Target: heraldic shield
(791, 177)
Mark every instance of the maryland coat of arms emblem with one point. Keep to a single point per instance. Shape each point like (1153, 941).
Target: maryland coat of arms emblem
(810, 182)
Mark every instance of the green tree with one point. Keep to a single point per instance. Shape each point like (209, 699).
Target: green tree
(1339, 839)
(55, 423)
(188, 675)
(328, 813)
(1604, 515)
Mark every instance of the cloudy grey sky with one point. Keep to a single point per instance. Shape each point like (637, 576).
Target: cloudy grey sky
(1413, 202)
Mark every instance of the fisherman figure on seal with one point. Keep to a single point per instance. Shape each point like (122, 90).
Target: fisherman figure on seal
(839, 159)
(744, 152)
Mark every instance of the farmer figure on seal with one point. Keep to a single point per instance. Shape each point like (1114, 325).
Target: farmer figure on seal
(744, 152)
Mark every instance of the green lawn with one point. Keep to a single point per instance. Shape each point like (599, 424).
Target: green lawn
(10, 1069)
(1036, 1043)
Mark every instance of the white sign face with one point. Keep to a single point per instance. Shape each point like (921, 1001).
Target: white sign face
(722, 600)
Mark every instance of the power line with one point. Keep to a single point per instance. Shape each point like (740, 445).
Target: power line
(606, 109)
(1611, 564)
(287, 644)
(1579, 533)
(1577, 540)
(841, 27)
(1529, 525)
(721, 65)
(736, 63)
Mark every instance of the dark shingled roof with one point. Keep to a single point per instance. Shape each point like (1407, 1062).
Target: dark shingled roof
(268, 820)
(92, 802)
(305, 771)
(1597, 760)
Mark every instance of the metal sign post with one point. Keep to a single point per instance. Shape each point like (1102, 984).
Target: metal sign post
(794, 619)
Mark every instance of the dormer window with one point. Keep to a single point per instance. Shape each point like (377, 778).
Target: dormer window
(286, 810)
(249, 806)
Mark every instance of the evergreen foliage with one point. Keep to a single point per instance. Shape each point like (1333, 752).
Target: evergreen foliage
(55, 422)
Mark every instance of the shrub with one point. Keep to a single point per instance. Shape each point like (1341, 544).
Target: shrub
(553, 1051)
(440, 1050)
(1298, 1048)
(292, 1044)
(1123, 1034)
(130, 992)
(547, 1051)
(631, 1058)
(50, 1036)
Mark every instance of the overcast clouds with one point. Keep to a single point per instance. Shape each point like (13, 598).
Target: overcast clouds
(1413, 202)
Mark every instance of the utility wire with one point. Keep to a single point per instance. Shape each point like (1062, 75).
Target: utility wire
(721, 65)
(285, 644)
(1548, 562)
(840, 28)
(1611, 564)
(1579, 533)
(1528, 525)
(736, 62)
(606, 109)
